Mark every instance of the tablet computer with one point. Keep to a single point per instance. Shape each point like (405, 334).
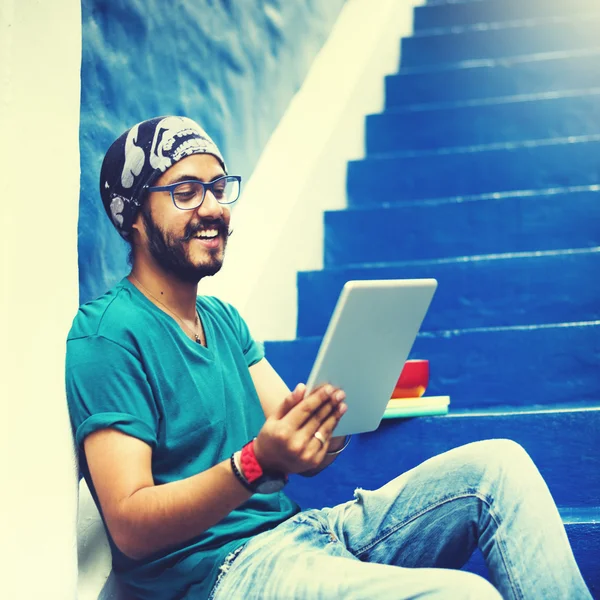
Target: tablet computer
(367, 342)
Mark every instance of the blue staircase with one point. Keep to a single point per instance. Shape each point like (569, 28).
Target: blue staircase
(483, 171)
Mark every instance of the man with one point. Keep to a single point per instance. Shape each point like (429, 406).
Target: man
(187, 435)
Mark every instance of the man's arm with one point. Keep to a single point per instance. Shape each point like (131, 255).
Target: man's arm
(271, 390)
(144, 518)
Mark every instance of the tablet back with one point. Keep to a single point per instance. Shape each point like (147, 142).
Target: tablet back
(367, 342)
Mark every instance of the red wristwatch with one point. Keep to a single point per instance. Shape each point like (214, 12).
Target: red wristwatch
(260, 481)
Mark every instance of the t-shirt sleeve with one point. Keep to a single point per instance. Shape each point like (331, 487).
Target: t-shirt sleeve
(107, 387)
(253, 351)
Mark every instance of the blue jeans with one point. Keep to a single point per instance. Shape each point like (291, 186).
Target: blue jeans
(407, 539)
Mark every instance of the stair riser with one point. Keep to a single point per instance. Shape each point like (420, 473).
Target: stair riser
(471, 125)
(484, 293)
(562, 445)
(511, 224)
(585, 541)
(514, 367)
(479, 172)
(505, 78)
(451, 47)
(491, 11)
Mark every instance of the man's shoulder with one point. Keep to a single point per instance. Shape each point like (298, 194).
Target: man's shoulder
(220, 309)
(109, 315)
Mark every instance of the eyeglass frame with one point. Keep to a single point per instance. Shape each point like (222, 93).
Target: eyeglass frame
(205, 186)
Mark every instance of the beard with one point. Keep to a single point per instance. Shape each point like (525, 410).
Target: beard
(171, 254)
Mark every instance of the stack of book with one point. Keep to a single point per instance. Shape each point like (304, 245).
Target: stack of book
(416, 407)
(408, 398)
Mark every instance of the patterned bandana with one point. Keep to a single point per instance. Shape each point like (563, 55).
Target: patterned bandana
(138, 158)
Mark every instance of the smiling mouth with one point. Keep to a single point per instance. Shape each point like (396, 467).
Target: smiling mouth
(207, 234)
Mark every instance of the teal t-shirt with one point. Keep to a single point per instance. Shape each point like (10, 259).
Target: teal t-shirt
(130, 367)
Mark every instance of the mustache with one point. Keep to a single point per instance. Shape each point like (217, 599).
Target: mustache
(218, 224)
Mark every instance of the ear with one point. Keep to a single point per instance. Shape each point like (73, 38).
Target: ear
(137, 227)
(136, 236)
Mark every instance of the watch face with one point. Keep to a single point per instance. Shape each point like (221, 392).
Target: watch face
(269, 484)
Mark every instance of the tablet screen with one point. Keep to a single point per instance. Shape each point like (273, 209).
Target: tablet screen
(367, 342)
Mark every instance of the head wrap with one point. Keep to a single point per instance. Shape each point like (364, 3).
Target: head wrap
(138, 158)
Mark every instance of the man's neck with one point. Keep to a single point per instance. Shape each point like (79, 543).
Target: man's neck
(161, 287)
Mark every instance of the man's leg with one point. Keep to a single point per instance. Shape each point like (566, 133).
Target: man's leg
(302, 560)
(487, 494)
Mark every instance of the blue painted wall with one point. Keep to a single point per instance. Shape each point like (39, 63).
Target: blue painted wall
(232, 66)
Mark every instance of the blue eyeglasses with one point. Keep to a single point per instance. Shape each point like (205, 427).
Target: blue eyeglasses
(187, 195)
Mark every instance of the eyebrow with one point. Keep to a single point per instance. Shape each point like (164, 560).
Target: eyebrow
(194, 178)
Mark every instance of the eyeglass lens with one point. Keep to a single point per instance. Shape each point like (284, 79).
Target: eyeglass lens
(190, 194)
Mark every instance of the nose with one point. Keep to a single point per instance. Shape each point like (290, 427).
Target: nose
(210, 208)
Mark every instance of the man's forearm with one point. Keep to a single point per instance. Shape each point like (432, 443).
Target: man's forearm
(157, 517)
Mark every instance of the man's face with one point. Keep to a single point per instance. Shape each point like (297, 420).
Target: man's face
(174, 237)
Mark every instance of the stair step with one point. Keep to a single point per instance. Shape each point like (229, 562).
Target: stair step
(471, 170)
(469, 12)
(513, 222)
(531, 74)
(562, 443)
(537, 116)
(500, 40)
(482, 291)
(484, 367)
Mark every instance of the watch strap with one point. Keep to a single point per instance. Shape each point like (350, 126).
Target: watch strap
(238, 473)
(249, 464)
(252, 471)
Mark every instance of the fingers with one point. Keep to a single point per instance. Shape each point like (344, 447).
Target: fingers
(326, 422)
(330, 423)
(286, 443)
(299, 392)
(303, 411)
(324, 412)
(291, 400)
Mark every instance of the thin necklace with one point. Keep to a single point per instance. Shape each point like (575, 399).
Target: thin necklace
(196, 323)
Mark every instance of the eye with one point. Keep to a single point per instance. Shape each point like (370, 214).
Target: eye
(219, 191)
(186, 191)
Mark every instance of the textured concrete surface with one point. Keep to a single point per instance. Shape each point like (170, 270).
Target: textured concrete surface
(533, 220)
(232, 66)
(529, 117)
(440, 14)
(500, 40)
(482, 291)
(408, 442)
(485, 367)
(530, 74)
(470, 170)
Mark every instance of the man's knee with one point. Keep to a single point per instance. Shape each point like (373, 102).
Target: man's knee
(502, 460)
(495, 469)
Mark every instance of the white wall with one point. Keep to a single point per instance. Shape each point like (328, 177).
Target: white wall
(40, 51)
(302, 172)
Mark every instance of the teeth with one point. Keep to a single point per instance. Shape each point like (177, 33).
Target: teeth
(208, 233)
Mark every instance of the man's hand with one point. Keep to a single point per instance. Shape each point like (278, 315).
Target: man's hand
(287, 442)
